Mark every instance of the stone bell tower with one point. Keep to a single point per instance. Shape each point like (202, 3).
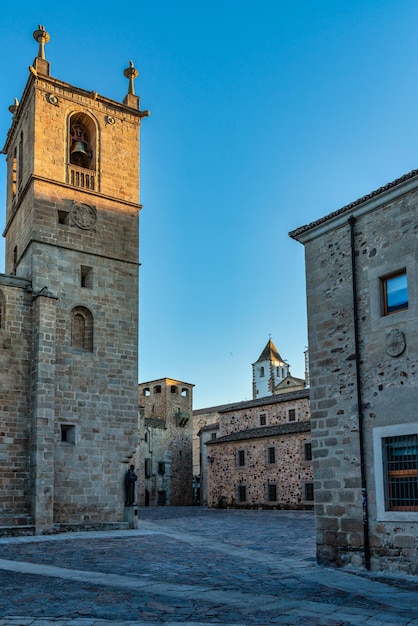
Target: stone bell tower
(72, 228)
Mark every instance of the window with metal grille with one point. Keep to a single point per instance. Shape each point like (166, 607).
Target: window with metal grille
(272, 492)
(242, 493)
(400, 468)
(309, 491)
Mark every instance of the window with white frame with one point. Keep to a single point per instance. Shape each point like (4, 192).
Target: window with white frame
(400, 465)
(396, 471)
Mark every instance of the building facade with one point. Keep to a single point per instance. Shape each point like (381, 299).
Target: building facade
(362, 303)
(69, 303)
(165, 473)
(261, 455)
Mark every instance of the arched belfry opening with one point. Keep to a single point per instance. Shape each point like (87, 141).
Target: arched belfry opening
(82, 152)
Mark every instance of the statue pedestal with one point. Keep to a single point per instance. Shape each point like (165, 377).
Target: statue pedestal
(131, 515)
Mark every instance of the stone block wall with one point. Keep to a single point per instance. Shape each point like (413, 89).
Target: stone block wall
(167, 421)
(385, 241)
(15, 374)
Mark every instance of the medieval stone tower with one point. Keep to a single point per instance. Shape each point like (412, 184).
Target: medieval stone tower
(166, 426)
(69, 303)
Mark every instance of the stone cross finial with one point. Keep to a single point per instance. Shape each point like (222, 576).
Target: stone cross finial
(42, 37)
(131, 73)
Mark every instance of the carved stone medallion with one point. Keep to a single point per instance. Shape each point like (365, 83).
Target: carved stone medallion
(395, 342)
(84, 216)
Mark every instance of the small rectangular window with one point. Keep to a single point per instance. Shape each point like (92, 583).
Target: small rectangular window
(395, 293)
(308, 451)
(241, 458)
(68, 433)
(147, 468)
(213, 435)
(292, 415)
(86, 276)
(263, 419)
(63, 217)
(400, 471)
(272, 493)
(309, 491)
(271, 455)
(242, 493)
(161, 468)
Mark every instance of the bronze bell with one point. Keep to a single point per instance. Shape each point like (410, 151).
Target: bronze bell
(79, 154)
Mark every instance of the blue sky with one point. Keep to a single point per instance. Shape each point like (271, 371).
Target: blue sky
(264, 117)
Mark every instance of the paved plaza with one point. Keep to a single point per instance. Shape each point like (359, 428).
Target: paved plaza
(193, 566)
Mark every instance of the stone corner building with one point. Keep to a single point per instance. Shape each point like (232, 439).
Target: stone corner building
(362, 301)
(69, 303)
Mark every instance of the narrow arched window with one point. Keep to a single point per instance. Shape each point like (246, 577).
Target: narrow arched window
(82, 329)
(2, 310)
(14, 173)
(261, 372)
(20, 162)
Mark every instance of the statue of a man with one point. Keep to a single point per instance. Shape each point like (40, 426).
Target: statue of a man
(130, 480)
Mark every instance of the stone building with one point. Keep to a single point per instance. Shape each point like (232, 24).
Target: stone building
(260, 456)
(165, 474)
(69, 303)
(362, 302)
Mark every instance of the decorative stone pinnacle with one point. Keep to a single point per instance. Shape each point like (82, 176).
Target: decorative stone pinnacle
(131, 73)
(42, 37)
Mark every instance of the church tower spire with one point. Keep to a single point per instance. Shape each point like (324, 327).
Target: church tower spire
(268, 371)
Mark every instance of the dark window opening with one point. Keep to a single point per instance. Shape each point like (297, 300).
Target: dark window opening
(68, 433)
(272, 493)
(242, 493)
(309, 491)
(263, 419)
(86, 276)
(272, 455)
(308, 451)
(292, 415)
(63, 217)
(241, 458)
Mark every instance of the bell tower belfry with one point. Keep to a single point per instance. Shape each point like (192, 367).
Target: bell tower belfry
(72, 233)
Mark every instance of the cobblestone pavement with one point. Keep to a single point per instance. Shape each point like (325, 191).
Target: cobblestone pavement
(195, 566)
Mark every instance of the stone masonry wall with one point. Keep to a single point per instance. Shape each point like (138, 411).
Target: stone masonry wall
(385, 242)
(15, 401)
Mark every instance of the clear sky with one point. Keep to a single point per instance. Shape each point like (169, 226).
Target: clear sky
(265, 116)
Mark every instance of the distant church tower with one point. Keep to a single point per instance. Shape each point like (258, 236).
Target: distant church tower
(69, 302)
(268, 371)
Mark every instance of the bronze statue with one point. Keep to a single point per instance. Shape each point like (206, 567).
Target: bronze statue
(130, 480)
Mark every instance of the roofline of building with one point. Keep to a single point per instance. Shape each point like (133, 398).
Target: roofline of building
(370, 202)
(166, 378)
(277, 399)
(290, 428)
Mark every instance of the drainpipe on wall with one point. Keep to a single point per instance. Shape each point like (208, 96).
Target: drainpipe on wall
(351, 222)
